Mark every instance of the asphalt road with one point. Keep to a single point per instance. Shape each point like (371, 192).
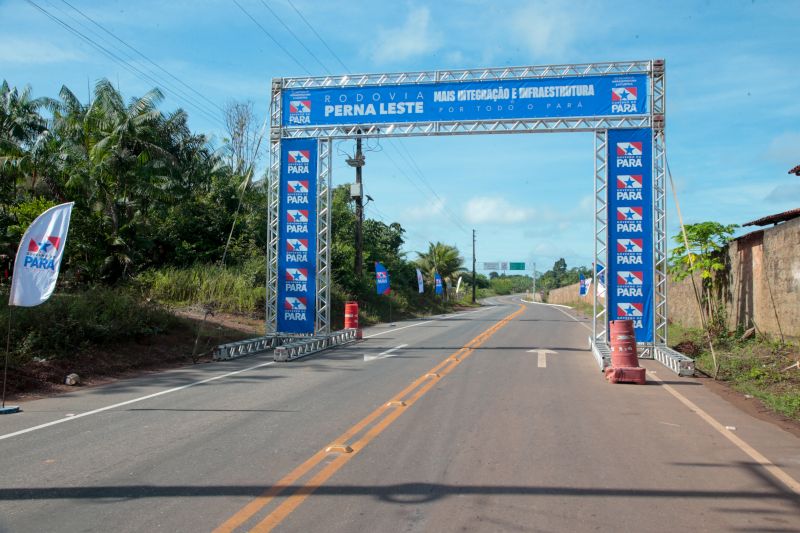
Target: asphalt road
(447, 424)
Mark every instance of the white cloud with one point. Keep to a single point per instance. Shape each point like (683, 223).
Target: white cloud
(785, 148)
(546, 29)
(495, 209)
(425, 212)
(35, 52)
(414, 38)
(786, 193)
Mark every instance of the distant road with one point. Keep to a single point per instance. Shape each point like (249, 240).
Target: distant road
(496, 419)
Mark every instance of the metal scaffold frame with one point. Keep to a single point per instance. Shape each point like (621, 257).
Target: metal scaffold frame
(273, 210)
(600, 241)
(467, 127)
(598, 125)
(659, 99)
(324, 232)
(467, 75)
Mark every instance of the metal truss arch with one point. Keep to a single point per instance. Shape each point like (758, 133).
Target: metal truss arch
(653, 117)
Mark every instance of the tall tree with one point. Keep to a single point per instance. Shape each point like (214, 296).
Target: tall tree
(23, 133)
(442, 258)
(243, 137)
(705, 255)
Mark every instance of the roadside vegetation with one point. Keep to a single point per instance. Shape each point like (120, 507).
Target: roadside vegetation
(757, 365)
(752, 363)
(166, 219)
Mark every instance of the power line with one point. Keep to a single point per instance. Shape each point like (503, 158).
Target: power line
(296, 38)
(146, 58)
(325, 44)
(409, 159)
(455, 219)
(383, 217)
(202, 108)
(274, 40)
(121, 61)
(130, 60)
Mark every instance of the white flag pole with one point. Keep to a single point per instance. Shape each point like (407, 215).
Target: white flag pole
(3, 409)
(36, 268)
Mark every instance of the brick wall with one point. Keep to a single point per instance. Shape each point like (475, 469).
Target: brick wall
(762, 285)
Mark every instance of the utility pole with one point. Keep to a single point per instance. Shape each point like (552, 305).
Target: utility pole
(534, 281)
(357, 193)
(473, 266)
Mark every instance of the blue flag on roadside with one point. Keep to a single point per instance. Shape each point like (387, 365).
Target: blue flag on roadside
(583, 286)
(382, 279)
(437, 282)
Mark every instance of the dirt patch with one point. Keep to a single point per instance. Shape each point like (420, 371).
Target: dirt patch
(688, 348)
(97, 365)
(750, 405)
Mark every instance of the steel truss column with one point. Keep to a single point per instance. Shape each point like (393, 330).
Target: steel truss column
(273, 206)
(660, 316)
(273, 209)
(599, 319)
(322, 324)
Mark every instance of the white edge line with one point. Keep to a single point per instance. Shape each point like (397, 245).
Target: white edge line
(207, 380)
(543, 303)
(128, 402)
(754, 454)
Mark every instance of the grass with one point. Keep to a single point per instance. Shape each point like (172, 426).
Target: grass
(584, 308)
(757, 366)
(240, 289)
(68, 323)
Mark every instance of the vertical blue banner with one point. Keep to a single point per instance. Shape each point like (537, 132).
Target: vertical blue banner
(437, 283)
(630, 276)
(382, 279)
(297, 236)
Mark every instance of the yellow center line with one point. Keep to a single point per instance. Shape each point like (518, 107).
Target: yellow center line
(396, 407)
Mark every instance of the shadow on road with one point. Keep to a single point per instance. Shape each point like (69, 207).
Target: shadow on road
(399, 493)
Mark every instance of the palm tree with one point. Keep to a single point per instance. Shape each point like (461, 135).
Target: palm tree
(23, 133)
(441, 258)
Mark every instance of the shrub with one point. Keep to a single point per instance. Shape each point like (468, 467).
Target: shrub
(69, 322)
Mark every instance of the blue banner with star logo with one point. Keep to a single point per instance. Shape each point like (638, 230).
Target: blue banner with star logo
(630, 269)
(297, 236)
(552, 97)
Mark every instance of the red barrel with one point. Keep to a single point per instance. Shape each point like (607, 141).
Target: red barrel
(622, 341)
(351, 315)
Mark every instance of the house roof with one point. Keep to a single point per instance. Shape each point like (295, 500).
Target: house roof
(774, 219)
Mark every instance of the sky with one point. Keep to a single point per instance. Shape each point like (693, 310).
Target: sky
(733, 97)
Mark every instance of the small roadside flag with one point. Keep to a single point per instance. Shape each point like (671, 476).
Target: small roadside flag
(39, 256)
(382, 279)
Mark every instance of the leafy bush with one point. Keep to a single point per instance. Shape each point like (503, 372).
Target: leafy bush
(70, 322)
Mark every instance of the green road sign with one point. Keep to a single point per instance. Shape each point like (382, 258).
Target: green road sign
(516, 266)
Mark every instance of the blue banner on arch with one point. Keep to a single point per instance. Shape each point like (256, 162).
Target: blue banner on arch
(630, 276)
(297, 237)
(565, 97)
